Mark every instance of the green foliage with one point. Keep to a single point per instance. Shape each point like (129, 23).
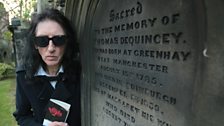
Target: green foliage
(21, 3)
(34, 3)
(7, 104)
(7, 35)
(26, 14)
(6, 70)
(2, 9)
(1, 5)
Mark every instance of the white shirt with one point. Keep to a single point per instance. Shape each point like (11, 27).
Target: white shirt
(41, 72)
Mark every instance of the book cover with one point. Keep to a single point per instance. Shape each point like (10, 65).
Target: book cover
(56, 111)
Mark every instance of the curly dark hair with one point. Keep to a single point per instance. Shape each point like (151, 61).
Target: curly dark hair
(32, 59)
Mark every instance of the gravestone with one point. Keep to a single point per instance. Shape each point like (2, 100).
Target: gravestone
(20, 40)
(145, 63)
(151, 63)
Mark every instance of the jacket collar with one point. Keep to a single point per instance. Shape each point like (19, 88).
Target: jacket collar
(42, 72)
(59, 93)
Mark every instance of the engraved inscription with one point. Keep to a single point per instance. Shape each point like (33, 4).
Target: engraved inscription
(134, 57)
(125, 13)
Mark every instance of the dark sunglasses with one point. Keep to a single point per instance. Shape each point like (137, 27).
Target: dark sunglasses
(43, 41)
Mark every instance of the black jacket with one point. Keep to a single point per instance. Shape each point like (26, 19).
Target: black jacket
(32, 96)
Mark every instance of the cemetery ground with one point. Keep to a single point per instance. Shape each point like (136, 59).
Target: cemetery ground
(7, 102)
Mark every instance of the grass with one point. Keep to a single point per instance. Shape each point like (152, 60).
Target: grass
(7, 102)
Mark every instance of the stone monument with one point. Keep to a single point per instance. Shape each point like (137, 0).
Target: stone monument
(151, 62)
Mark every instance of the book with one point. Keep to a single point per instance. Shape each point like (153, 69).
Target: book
(56, 111)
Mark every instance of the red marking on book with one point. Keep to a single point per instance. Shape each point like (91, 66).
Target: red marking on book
(55, 112)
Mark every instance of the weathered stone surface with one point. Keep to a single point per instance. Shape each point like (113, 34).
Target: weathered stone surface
(151, 63)
(145, 60)
(20, 40)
